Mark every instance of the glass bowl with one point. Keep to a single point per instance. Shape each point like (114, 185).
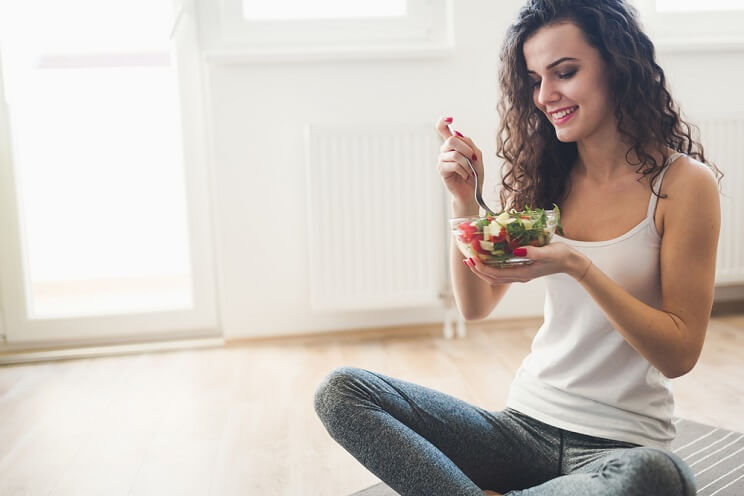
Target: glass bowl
(493, 239)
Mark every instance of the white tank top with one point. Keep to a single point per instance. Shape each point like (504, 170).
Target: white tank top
(581, 375)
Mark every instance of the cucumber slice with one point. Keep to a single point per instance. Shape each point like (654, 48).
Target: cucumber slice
(486, 245)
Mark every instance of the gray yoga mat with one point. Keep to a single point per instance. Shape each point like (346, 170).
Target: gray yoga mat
(716, 457)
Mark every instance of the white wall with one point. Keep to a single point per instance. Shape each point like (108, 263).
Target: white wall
(258, 111)
(705, 82)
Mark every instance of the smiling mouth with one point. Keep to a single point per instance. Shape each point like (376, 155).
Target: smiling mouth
(563, 115)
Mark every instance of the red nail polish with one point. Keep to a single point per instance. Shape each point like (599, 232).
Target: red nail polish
(466, 263)
(474, 157)
(458, 133)
(520, 252)
(448, 119)
(472, 262)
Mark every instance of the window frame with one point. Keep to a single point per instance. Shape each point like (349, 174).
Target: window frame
(228, 37)
(692, 31)
(19, 330)
(717, 9)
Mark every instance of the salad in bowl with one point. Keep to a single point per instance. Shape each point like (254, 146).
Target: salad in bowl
(493, 238)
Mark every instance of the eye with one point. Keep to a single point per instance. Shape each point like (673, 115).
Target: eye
(534, 83)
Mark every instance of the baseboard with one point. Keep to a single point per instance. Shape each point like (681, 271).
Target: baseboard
(733, 292)
(26, 356)
(728, 307)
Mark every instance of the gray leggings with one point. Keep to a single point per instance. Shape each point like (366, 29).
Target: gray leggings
(421, 441)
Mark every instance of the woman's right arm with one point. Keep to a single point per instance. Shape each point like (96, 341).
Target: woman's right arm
(475, 298)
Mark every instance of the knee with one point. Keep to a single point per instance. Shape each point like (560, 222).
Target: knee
(329, 394)
(656, 471)
(687, 478)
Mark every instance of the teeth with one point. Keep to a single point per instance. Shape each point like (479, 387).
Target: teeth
(563, 113)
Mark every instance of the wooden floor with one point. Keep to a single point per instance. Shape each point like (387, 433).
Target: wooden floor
(239, 420)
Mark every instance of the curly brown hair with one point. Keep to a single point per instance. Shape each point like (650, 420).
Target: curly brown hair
(536, 164)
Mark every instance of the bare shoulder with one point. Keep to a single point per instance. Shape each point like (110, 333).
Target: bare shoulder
(687, 178)
(692, 193)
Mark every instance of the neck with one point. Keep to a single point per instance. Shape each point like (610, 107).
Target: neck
(602, 157)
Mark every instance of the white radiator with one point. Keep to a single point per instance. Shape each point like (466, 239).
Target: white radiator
(723, 140)
(376, 222)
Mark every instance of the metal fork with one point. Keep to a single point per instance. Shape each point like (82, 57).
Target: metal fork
(478, 183)
(478, 188)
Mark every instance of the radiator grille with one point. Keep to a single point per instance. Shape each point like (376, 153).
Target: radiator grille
(376, 218)
(723, 139)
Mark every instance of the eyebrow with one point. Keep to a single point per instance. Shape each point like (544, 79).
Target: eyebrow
(553, 64)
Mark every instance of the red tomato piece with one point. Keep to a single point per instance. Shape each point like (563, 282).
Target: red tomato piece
(475, 243)
(468, 231)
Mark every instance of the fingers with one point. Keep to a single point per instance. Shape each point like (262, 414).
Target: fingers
(501, 275)
(455, 161)
(452, 166)
(443, 127)
(457, 143)
(471, 146)
(454, 150)
(454, 140)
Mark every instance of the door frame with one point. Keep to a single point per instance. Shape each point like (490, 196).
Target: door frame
(201, 320)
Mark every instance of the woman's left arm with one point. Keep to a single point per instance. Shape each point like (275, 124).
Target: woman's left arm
(671, 338)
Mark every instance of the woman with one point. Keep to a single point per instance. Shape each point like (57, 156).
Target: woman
(588, 124)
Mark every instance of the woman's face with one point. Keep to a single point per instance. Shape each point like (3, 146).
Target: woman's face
(570, 84)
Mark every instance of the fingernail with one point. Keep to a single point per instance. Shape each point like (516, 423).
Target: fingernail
(520, 252)
(448, 119)
(458, 133)
(472, 262)
(474, 157)
(465, 262)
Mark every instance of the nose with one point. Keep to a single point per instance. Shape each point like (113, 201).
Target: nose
(547, 93)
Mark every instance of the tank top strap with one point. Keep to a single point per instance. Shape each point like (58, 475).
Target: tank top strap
(657, 184)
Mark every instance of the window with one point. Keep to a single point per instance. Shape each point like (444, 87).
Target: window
(93, 105)
(693, 25)
(698, 5)
(245, 30)
(260, 10)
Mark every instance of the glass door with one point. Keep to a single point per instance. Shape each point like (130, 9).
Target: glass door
(105, 232)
